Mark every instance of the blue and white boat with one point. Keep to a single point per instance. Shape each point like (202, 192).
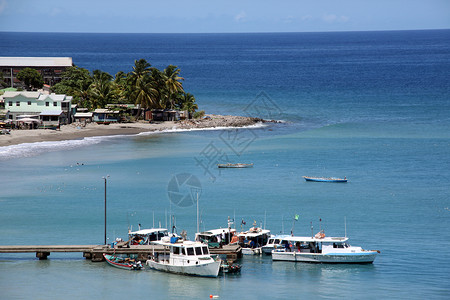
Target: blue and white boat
(321, 249)
(325, 179)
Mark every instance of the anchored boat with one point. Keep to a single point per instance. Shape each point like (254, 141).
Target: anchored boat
(325, 179)
(184, 257)
(239, 165)
(123, 262)
(252, 240)
(321, 249)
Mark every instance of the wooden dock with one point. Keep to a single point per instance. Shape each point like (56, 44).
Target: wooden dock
(95, 252)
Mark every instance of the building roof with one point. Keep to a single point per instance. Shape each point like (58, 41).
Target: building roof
(35, 61)
(83, 115)
(9, 94)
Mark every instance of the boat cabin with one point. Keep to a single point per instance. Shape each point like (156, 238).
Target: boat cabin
(146, 236)
(216, 238)
(254, 238)
(313, 245)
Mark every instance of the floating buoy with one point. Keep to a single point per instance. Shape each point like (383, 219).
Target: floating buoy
(213, 296)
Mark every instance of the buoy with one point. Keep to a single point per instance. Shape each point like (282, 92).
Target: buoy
(213, 296)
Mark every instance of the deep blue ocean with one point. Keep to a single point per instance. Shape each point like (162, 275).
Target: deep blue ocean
(371, 106)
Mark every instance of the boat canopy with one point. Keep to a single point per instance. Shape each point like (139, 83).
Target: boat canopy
(148, 231)
(254, 233)
(309, 239)
(215, 232)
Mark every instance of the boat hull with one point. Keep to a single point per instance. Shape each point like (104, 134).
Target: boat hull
(210, 269)
(235, 166)
(317, 179)
(125, 266)
(251, 251)
(366, 257)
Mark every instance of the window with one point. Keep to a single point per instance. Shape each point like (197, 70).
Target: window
(176, 250)
(10, 103)
(183, 251)
(190, 251)
(29, 102)
(55, 103)
(18, 103)
(47, 103)
(198, 251)
(205, 250)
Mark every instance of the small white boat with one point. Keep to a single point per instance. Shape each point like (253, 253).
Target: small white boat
(146, 236)
(321, 249)
(238, 165)
(185, 257)
(275, 241)
(216, 238)
(252, 240)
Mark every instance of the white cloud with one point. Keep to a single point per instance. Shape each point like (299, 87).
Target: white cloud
(240, 16)
(332, 18)
(3, 5)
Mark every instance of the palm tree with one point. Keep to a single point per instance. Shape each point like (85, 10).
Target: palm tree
(101, 89)
(145, 95)
(173, 83)
(186, 101)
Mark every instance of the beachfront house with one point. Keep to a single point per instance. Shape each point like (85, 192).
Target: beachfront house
(106, 116)
(50, 109)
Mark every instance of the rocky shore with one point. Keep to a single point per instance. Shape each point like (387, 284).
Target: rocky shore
(79, 131)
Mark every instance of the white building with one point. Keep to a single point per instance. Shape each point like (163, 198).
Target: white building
(50, 109)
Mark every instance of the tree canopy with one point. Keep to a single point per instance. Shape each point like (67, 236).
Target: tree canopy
(144, 85)
(31, 77)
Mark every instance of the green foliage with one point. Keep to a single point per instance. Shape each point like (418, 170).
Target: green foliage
(199, 114)
(31, 77)
(2, 81)
(145, 86)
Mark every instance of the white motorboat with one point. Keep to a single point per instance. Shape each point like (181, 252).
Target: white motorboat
(275, 241)
(184, 257)
(146, 236)
(252, 240)
(216, 238)
(321, 249)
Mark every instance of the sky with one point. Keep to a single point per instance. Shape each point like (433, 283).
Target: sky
(205, 16)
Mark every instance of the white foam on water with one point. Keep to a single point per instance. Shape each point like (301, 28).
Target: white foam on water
(33, 149)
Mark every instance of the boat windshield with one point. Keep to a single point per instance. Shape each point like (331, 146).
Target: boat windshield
(198, 251)
(176, 250)
(205, 250)
(190, 251)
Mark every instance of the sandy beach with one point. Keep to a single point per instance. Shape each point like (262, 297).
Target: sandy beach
(78, 131)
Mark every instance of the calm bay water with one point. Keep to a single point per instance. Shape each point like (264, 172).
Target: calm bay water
(372, 106)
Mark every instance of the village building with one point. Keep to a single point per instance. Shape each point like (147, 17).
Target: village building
(49, 109)
(51, 68)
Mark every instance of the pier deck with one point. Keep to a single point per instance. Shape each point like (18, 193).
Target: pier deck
(95, 252)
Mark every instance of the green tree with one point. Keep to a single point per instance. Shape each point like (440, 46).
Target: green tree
(186, 101)
(76, 82)
(172, 79)
(31, 77)
(101, 89)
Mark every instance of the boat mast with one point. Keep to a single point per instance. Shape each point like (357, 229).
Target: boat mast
(345, 226)
(198, 223)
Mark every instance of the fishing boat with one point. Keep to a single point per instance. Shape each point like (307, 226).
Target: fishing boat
(123, 262)
(216, 238)
(238, 165)
(321, 249)
(252, 240)
(275, 241)
(325, 179)
(146, 236)
(184, 257)
(230, 267)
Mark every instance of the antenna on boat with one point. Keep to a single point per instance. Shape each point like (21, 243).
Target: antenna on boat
(345, 226)
(312, 230)
(198, 221)
(265, 216)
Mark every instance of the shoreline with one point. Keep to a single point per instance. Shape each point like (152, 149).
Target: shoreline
(75, 131)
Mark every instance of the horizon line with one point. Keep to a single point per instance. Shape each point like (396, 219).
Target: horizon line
(224, 32)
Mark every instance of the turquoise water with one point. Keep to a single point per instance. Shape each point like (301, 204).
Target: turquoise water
(373, 107)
